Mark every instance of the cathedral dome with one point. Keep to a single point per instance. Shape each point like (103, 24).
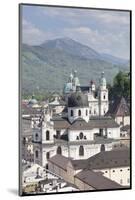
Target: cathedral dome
(77, 100)
(32, 101)
(67, 88)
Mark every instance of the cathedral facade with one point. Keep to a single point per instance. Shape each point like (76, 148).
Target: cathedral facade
(81, 130)
(97, 97)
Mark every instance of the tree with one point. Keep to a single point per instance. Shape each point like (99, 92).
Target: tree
(121, 86)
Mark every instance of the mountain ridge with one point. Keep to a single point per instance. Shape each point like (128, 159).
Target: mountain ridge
(55, 59)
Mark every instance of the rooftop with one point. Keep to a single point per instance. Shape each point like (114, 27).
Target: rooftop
(102, 160)
(80, 124)
(60, 161)
(96, 180)
(119, 108)
(106, 159)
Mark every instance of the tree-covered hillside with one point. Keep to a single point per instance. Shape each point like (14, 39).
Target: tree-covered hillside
(47, 67)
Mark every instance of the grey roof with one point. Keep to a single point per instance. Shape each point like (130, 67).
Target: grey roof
(25, 110)
(78, 99)
(79, 164)
(84, 88)
(97, 140)
(103, 160)
(94, 123)
(125, 128)
(96, 180)
(80, 124)
(61, 123)
(60, 161)
(119, 108)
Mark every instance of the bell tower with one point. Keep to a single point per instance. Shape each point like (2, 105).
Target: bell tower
(103, 96)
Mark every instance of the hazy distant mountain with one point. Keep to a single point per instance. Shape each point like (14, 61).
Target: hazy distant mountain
(72, 47)
(113, 59)
(47, 66)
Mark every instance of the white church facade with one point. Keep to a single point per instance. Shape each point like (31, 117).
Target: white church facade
(81, 130)
(97, 97)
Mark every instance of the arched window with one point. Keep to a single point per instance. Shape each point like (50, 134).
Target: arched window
(79, 112)
(47, 135)
(46, 166)
(104, 96)
(57, 133)
(102, 147)
(59, 150)
(72, 113)
(47, 155)
(81, 135)
(81, 151)
(86, 112)
(36, 153)
(36, 136)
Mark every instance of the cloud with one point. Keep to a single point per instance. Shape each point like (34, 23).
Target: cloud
(111, 17)
(116, 44)
(77, 16)
(32, 35)
(106, 31)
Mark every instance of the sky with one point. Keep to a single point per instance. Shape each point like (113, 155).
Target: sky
(104, 31)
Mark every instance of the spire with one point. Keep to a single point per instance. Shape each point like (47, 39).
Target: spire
(102, 81)
(75, 72)
(71, 78)
(76, 81)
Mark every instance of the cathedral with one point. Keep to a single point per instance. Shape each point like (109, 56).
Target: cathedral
(81, 130)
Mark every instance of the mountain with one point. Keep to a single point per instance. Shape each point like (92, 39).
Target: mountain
(113, 59)
(72, 47)
(46, 67)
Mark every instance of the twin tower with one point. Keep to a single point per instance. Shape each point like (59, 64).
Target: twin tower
(85, 101)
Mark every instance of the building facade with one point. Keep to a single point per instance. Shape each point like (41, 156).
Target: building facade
(97, 96)
(79, 132)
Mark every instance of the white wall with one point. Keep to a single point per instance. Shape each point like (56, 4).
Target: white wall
(51, 133)
(89, 150)
(113, 133)
(74, 133)
(118, 174)
(75, 114)
(125, 120)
